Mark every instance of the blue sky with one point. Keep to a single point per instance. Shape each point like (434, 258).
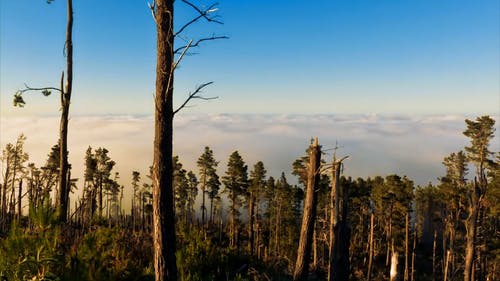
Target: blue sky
(414, 57)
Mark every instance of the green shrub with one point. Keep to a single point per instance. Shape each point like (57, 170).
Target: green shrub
(112, 254)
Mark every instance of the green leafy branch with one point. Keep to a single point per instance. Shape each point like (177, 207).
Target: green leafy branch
(18, 96)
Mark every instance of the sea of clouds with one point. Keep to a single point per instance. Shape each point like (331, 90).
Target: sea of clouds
(377, 144)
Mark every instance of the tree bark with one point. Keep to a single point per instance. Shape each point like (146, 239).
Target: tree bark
(309, 216)
(163, 201)
(63, 130)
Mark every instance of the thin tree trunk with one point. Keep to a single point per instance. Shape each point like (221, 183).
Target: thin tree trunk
(370, 252)
(203, 207)
(394, 266)
(250, 224)
(277, 231)
(232, 227)
(315, 248)
(309, 215)
(389, 238)
(19, 198)
(470, 243)
(163, 201)
(447, 265)
(434, 256)
(413, 254)
(334, 217)
(63, 130)
(338, 268)
(407, 247)
(211, 221)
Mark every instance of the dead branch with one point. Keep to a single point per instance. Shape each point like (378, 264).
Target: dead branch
(195, 95)
(202, 14)
(213, 37)
(152, 7)
(181, 56)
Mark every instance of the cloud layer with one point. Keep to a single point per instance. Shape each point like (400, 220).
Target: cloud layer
(377, 144)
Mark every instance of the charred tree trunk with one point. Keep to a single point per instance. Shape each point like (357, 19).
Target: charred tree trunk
(63, 130)
(163, 201)
(309, 216)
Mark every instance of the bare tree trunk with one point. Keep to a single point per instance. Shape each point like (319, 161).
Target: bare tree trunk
(63, 130)
(232, 226)
(370, 252)
(447, 265)
(407, 247)
(203, 207)
(334, 216)
(277, 231)
(389, 238)
(315, 248)
(309, 216)
(413, 254)
(338, 268)
(250, 224)
(19, 198)
(163, 201)
(434, 256)
(394, 266)
(470, 227)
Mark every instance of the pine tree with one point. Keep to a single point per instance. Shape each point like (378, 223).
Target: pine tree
(453, 187)
(209, 180)
(192, 192)
(255, 190)
(136, 178)
(236, 184)
(480, 133)
(181, 189)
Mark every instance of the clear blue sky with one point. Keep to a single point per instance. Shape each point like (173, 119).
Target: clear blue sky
(385, 56)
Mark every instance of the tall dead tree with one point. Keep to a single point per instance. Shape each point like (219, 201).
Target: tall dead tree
(65, 91)
(163, 199)
(338, 266)
(309, 215)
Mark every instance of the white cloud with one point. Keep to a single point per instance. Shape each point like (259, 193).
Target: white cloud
(377, 144)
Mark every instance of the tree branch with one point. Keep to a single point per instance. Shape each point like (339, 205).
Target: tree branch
(199, 41)
(194, 95)
(152, 7)
(181, 56)
(18, 96)
(202, 14)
